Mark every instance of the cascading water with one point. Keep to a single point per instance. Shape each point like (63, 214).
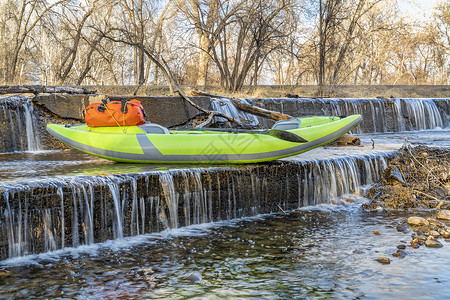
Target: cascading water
(226, 107)
(51, 214)
(379, 114)
(420, 114)
(19, 125)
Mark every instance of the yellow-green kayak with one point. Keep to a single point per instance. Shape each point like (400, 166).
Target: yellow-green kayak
(151, 143)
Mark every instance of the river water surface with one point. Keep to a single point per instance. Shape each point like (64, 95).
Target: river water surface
(325, 252)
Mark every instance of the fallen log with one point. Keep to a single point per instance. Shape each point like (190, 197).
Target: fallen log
(242, 105)
(39, 89)
(210, 113)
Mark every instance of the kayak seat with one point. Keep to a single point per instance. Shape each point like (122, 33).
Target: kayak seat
(287, 124)
(154, 128)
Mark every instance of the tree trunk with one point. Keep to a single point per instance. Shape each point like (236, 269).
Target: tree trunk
(203, 61)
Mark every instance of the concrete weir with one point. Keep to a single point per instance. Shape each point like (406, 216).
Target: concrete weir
(23, 120)
(51, 214)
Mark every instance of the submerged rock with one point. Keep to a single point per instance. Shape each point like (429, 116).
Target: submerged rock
(417, 221)
(384, 260)
(4, 273)
(402, 228)
(400, 253)
(194, 277)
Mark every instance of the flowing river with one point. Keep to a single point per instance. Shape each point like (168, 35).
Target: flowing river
(320, 252)
(325, 252)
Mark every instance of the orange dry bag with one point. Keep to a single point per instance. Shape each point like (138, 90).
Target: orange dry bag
(116, 112)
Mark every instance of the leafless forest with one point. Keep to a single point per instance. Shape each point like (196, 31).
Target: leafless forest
(228, 43)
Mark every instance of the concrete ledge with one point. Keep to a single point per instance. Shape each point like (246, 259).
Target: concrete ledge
(167, 111)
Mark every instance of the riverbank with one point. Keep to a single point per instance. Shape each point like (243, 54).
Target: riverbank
(273, 91)
(417, 181)
(418, 177)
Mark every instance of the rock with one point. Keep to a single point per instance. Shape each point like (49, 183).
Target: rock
(376, 232)
(401, 246)
(443, 233)
(443, 215)
(432, 233)
(414, 243)
(401, 228)
(347, 140)
(194, 277)
(424, 228)
(394, 174)
(431, 242)
(421, 240)
(418, 231)
(384, 260)
(417, 221)
(433, 227)
(399, 253)
(435, 222)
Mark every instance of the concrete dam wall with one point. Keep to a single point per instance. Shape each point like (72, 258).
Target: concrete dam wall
(23, 120)
(46, 215)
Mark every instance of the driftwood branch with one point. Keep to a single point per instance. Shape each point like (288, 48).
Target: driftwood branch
(242, 105)
(39, 89)
(209, 112)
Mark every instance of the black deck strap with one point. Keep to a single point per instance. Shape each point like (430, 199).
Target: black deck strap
(123, 101)
(124, 107)
(102, 106)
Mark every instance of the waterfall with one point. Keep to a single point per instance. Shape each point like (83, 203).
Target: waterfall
(420, 114)
(379, 114)
(50, 214)
(226, 107)
(19, 125)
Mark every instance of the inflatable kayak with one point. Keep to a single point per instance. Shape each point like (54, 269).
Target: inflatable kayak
(152, 143)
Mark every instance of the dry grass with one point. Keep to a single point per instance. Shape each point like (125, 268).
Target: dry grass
(344, 91)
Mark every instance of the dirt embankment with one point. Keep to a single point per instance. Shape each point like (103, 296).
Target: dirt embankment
(417, 181)
(418, 177)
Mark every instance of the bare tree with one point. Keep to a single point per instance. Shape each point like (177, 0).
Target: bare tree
(27, 16)
(74, 26)
(209, 19)
(250, 36)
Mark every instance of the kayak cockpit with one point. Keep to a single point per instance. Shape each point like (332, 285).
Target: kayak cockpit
(153, 128)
